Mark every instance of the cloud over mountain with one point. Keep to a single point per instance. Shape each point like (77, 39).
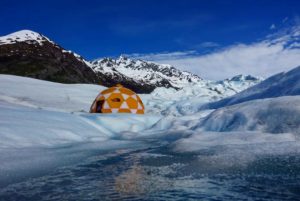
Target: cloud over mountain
(276, 53)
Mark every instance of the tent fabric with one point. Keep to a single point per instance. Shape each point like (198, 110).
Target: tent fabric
(117, 99)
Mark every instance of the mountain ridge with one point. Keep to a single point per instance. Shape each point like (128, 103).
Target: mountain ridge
(281, 84)
(31, 54)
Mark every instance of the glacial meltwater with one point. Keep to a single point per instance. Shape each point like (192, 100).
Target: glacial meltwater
(157, 172)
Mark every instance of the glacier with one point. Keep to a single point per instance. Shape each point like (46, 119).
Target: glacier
(281, 84)
(46, 126)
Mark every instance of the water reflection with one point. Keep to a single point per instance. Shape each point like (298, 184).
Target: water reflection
(160, 174)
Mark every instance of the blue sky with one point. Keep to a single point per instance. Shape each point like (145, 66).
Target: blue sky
(109, 28)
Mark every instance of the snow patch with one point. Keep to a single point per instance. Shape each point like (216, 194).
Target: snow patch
(274, 115)
(23, 36)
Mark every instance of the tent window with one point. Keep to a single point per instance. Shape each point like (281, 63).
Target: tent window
(116, 100)
(99, 106)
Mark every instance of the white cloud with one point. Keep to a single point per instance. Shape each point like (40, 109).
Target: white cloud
(272, 27)
(258, 59)
(163, 55)
(208, 44)
(275, 54)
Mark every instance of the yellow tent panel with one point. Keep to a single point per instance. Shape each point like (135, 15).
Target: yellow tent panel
(117, 99)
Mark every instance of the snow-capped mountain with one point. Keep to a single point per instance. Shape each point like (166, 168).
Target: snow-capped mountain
(164, 75)
(23, 36)
(27, 53)
(281, 84)
(31, 54)
(239, 83)
(31, 37)
(160, 75)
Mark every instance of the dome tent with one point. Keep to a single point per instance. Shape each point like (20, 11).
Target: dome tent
(117, 99)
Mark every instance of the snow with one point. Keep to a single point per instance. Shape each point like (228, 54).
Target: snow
(60, 110)
(51, 103)
(282, 84)
(30, 127)
(138, 70)
(243, 133)
(190, 99)
(45, 124)
(32, 37)
(23, 36)
(47, 95)
(145, 71)
(273, 115)
(80, 58)
(236, 135)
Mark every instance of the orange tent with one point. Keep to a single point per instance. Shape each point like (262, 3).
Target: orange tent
(117, 99)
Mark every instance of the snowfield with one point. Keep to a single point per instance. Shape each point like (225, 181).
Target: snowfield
(44, 125)
(38, 119)
(41, 113)
(37, 113)
(190, 99)
(29, 127)
(273, 115)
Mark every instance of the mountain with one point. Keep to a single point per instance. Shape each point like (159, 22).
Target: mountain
(282, 84)
(237, 83)
(30, 54)
(27, 53)
(152, 75)
(158, 75)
